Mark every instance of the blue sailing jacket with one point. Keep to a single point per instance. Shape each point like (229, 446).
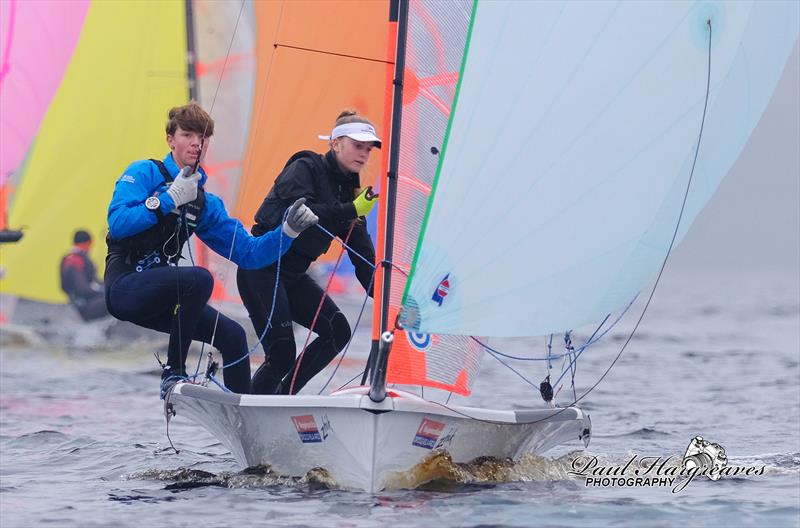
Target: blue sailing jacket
(127, 216)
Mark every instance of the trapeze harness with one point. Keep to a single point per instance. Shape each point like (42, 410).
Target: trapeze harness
(158, 245)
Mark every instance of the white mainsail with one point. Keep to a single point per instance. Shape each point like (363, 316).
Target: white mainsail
(569, 149)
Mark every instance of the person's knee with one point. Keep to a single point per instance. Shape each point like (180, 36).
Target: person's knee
(336, 330)
(340, 330)
(201, 283)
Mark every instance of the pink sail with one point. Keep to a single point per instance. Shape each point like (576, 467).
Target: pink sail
(37, 40)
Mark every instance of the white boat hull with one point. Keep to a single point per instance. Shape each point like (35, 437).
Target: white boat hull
(366, 445)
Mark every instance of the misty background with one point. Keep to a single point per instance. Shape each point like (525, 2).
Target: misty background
(752, 222)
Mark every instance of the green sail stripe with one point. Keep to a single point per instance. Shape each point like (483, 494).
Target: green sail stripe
(444, 151)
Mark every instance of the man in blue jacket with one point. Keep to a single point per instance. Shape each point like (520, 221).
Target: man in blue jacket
(155, 208)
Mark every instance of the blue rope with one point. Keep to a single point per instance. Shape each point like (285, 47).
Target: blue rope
(590, 342)
(174, 378)
(359, 255)
(268, 324)
(509, 367)
(218, 384)
(573, 354)
(587, 344)
(274, 298)
(518, 358)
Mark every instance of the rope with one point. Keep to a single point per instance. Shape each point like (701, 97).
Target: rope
(274, 298)
(181, 217)
(344, 244)
(571, 351)
(509, 367)
(352, 335)
(233, 239)
(219, 305)
(343, 55)
(351, 380)
(518, 358)
(594, 338)
(549, 356)
(319, 306)
(268, 323)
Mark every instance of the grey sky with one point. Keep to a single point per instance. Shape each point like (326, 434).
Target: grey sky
(753, 220)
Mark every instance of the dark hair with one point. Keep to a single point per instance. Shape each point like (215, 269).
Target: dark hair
(190, 117)
(81, 236)
(351, 116)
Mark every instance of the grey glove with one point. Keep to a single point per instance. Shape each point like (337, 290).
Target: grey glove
(299, 218)
(184, 189)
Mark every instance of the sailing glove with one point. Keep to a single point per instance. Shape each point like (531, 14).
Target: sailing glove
(365, 201)
(299, 218)
(184, 189)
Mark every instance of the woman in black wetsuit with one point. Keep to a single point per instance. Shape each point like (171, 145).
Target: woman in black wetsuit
(330, 184)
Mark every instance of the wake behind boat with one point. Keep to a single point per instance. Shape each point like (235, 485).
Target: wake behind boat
(367, 445)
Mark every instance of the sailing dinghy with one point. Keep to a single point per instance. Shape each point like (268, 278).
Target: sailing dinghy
(544, 159)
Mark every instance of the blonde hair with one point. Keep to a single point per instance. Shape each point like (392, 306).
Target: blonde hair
(351, 116)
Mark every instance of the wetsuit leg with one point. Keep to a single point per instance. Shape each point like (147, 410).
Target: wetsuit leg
(331, 326)
(149, 299)
(256, 288)
(231, 341)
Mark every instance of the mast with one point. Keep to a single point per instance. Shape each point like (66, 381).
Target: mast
(398, 11)
(191, 71)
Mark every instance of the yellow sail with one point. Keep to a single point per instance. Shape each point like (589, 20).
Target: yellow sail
(128, 68)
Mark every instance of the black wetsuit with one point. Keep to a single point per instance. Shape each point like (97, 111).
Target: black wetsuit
(329, 193)
(79, 282)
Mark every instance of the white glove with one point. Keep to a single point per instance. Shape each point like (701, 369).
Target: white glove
(299, 218)
(184, 189)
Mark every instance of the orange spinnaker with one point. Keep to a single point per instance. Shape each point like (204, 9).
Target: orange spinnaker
(314, 60)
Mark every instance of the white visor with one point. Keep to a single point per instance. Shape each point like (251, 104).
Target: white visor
(357, 131)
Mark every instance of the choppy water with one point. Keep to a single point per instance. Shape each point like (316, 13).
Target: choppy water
(83, 443)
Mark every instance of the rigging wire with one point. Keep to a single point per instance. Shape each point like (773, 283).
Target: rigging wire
(345, 246)
(268, 322)
(319, 306)
(181, 217)
(352, 335)
(345, 55)
(197, 163)
(351, 380)
(512, 369)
